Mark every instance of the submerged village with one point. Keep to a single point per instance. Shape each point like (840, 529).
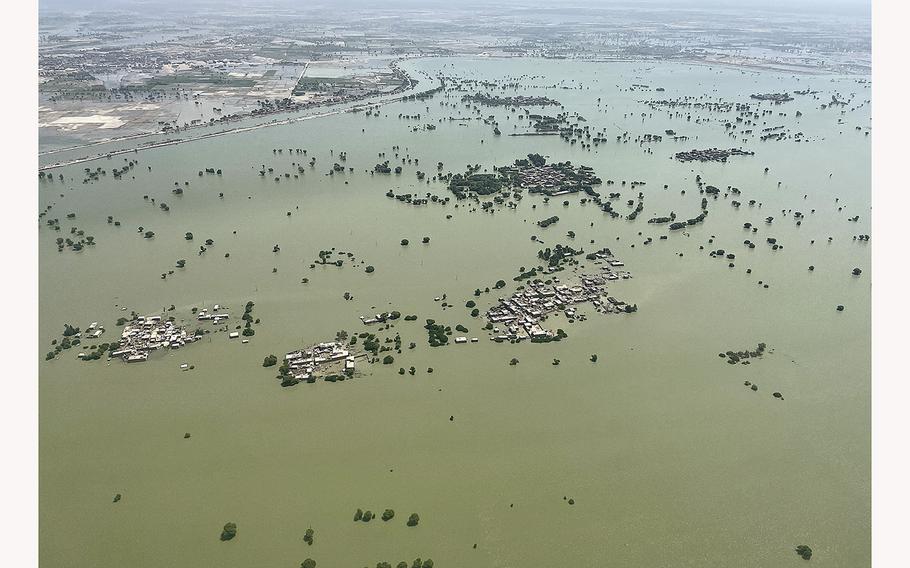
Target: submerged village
(523, 315)
(603, 276)
(526, 314)
(536, 181)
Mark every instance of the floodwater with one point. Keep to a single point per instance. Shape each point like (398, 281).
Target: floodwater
(670, 459)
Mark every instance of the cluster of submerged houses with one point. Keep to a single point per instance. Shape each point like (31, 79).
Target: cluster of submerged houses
(216, 316)
(556, 179)
(94, 330)
(711, 155)
(378, 318)
(521, 314)
(516, 101)
(324, 359)
(148, 333)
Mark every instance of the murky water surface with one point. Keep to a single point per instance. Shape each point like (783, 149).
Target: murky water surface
(670, 459)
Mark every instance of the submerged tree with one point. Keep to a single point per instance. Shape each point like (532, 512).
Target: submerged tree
(229, 531)
(804, 551)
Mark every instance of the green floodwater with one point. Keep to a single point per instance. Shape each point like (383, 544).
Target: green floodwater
(670, 459)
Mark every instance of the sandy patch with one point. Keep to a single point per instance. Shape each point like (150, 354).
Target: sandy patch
(100, 120)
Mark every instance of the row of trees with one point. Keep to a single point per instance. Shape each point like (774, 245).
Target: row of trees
(366, 516)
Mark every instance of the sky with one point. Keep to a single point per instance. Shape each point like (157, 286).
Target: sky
(828, 6)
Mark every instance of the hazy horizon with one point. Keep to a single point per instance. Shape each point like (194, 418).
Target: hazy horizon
(855, 7)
